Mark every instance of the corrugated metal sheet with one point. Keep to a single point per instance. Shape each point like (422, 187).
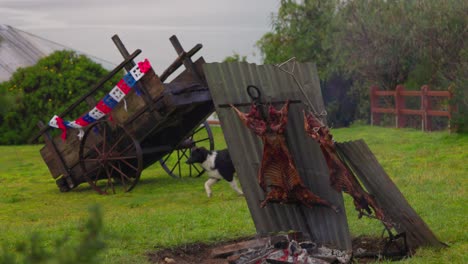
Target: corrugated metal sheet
(396, 207)
(227, 83)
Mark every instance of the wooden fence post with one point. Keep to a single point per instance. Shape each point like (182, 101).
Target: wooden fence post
(400, 118)
(375, 117)
(452, 108)
(426, 106)
(399, 110)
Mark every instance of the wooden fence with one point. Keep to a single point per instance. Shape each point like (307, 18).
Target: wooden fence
(401, 112)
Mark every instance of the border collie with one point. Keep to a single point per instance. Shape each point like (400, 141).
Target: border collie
(217, 164)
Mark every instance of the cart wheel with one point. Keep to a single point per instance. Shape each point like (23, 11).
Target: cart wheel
(174, 162)
(110, 157)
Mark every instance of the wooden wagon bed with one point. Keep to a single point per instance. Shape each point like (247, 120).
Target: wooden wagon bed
(156, 119)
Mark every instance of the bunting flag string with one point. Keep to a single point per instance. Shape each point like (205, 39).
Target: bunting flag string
(106, 104)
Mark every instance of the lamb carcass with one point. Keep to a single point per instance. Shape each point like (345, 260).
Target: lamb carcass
(341, 177)
(278, 176)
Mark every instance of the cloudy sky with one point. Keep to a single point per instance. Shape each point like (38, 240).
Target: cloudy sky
(222, 26)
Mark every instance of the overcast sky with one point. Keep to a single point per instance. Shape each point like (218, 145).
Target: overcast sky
(222, 26)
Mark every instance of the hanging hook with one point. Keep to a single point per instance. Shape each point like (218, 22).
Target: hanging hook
(255, 96)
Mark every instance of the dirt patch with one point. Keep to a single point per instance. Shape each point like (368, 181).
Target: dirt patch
(201, 252)
(190, 253)
(368, 243)
(364, 245)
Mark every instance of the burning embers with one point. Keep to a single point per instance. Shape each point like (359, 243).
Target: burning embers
(287, 248)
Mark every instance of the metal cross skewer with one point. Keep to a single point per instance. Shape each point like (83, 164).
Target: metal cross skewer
(301, 88)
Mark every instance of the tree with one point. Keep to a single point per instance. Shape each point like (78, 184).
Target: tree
(6, 101)
(460, 87)
(414, 43)
(235, 58)
(393, 42)
(303, 30)
(46, 89)
(380, 42)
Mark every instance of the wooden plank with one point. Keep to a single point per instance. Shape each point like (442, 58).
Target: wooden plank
(50, 154)
(51, 162)
(76, 174)
(152, 83)
(224, 251)
(178, 62)
(187, 61)
(128, 107)
(388, 196)
(140, 126)
(69, 149)
(383, 110)
(411, 93)
(438, 113)
(187, 77)
(385, 93)
(411, 112)
(188, 98)
(439, 93)
(134, 102)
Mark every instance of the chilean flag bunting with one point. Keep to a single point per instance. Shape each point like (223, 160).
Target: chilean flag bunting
(106, 104)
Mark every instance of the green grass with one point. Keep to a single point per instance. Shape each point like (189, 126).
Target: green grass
(430, 169)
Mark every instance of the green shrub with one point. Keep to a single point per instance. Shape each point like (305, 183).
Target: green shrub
(43, 90)
(85, 250)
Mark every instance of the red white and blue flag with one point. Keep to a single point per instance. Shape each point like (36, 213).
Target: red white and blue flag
(106, 104)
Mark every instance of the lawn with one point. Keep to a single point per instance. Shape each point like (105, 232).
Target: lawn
(430, 169)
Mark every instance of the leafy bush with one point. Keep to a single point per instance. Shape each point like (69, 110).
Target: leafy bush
(43, 90)
(85, 250)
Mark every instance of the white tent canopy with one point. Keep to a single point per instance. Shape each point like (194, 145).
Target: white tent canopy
(22, 49)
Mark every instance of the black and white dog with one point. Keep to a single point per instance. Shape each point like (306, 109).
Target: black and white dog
(217, 164)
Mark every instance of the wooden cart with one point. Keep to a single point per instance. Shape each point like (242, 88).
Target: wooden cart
(160, 122)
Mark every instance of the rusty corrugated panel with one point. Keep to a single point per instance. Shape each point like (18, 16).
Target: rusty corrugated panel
(395, 206)
(227, 83)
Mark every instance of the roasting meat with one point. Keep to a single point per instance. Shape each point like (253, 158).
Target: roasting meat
(341, 177)
(278, 176)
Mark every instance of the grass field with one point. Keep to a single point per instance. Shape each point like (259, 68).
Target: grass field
(431, 170)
